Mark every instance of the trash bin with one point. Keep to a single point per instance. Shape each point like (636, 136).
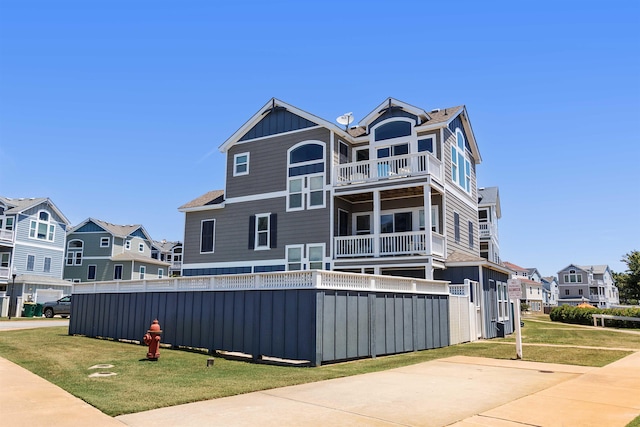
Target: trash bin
(501, 330)
(38, 310)
(27, 309)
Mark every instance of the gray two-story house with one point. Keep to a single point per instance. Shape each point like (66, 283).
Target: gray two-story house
(98, 251)
(591, 284)
(32, 239)
(394, 195)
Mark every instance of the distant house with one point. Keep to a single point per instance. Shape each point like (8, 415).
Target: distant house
(530, 281)
(32, 239)
(587, 283)
(169, 252)
(489, 213)
(100, 251)
(550, 284)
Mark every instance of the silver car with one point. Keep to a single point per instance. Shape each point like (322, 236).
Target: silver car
(61, 307)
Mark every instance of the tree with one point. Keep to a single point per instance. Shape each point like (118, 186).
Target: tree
(629, 282)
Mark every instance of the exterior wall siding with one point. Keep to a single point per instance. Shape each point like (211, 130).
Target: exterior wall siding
(21, 252)
(268, 163)
(232, 231)
(314, 325)
(466, 213)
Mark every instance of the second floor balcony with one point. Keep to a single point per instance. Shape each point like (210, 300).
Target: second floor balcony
(408, 165)
(6, 237)
(390, 244)
(488, 230)
(5, 272)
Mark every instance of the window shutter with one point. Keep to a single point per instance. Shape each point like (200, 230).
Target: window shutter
(274, 231)
(252, 232)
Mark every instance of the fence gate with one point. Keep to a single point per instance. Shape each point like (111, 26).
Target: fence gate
(462, 317)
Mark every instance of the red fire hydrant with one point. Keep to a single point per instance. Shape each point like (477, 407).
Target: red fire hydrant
(152, 339)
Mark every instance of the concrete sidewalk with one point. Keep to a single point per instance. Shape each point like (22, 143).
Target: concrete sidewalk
(14, 325)
(460, 391)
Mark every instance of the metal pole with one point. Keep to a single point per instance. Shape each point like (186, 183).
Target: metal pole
(13, 287)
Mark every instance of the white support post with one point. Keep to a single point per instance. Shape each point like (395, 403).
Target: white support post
(518, 329)
(427, 217)
(376, 223)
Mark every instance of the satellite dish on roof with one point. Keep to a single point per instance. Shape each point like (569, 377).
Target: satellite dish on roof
(345, 119)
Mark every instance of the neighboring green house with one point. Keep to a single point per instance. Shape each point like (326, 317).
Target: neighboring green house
(99, 251)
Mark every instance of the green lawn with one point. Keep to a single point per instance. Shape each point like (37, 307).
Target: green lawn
(182, 376)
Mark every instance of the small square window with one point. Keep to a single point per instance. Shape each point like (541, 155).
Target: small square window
(241, 164)
(104, 242)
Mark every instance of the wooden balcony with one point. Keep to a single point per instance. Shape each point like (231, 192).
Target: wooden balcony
(389, 244)
(408, 165)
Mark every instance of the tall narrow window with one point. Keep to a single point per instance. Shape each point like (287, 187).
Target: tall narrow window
(241, 164)
(262, 231)
(143, 271)
(47, 265)
(471, 234)
(344, 152)
(141, 247)
(294, 257)
(91, 273)
(31, 260)
(4, 259)
(460, 164)
(207, 235)
(117, 272)
(456, 226)
(306, 163)
(160, 273)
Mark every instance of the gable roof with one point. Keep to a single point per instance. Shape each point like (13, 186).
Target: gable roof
(390, 103)
(211, 199)
(115, 229)
(163, 245)
(488, 196)
(597, 269)
(570, 266)
(16, 206)
(269, 106)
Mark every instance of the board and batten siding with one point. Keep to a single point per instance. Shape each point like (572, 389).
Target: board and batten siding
(232, 231)
(268, 162)
(315, 325)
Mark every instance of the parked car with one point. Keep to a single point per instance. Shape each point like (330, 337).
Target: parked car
(61, 307)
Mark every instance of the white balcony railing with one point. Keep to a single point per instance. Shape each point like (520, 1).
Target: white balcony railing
(405, 243)
(488, 230)
(176, 265)
(5, 272)
(314, 279)
(6, 236)
(416, 164)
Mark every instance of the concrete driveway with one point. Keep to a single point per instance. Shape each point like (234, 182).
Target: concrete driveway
(12, 325)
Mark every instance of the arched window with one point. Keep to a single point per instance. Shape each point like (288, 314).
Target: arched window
(74, 252)
(305, 184)
(460, 164)
(395, 129)
(41, 228)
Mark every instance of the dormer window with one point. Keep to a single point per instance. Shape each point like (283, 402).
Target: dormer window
(41, 228)
(460, 164)
(573, 277)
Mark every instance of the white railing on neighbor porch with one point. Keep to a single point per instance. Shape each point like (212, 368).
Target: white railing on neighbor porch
(488, 230)
(423, 163)
(6, 235)
(404, 243)
(5, 272)
(176, 265)
(314, 279)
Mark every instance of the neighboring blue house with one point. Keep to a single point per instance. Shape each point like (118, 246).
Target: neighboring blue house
(32, 239)
(97, 251)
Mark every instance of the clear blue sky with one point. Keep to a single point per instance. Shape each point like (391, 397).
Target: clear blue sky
(115, 109)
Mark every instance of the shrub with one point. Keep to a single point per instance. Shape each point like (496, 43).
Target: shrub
(582, 316)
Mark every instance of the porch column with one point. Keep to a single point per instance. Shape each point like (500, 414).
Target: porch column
(426, 190)
(376, 223)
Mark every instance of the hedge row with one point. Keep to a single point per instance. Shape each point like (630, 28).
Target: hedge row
(582, 316)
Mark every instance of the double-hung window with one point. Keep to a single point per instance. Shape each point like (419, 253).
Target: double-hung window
(262, 237)
(47, 265)
(299, 259)
(74, 252)
(31, 261)
(241, 164)
(143, 271)
(104, 242)
(91, 273)
(460, 164)
(305, 185)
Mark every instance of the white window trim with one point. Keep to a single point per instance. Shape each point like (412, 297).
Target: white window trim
(433, 139)
(302, 187)
(466, 162)
(256, 245)
(160, 273)
(286, 255)
(412, 139)
(27, 262)
(102, 240)
(309, 191)
(121, 271)
(307, 259)
(95, 271)
(213, 245)
(74, 260)
(37, 221)
(306, 178)
(127, 244)
(142, 271)
(235, 164)
(140, 247)
(44, 264)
